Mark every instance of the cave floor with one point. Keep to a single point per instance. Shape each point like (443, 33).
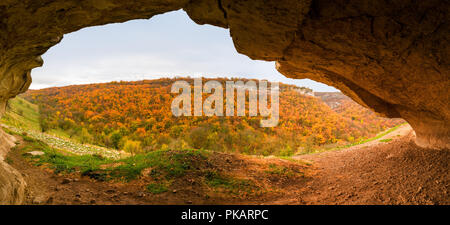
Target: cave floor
(395, 171)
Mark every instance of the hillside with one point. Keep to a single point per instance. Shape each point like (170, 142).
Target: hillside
(23, 117)
(378, 172)
(136, 117)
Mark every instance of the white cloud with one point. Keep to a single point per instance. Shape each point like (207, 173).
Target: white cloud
(166, 46)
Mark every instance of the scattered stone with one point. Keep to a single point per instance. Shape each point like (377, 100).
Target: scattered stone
(92, 201)
(110, 191)
(76, 180)
(174, 191)
(189, 202)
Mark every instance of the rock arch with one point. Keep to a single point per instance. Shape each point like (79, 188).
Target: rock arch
(390, 56)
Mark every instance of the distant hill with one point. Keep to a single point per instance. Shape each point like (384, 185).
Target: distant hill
(136, 117)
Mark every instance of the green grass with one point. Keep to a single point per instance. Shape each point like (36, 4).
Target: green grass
(59, 162)
(282, 171)
(366, 140)
(22, 114)
(297, 161)
(165, 164)
(386, 140)
(234, 186)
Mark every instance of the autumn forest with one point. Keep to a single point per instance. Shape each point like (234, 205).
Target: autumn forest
(135, 117)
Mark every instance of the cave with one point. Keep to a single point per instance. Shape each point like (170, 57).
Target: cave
(391, 57)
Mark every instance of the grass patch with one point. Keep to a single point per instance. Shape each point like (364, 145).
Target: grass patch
(386, 140)
(164, 167)
(59, 162)
(9, 161)
(164, 163)
(297, 161)
(366, 140)
(21, 113)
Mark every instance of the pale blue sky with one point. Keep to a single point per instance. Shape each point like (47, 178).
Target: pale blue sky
(167, 45)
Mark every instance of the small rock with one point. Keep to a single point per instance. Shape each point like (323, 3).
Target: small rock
(38, 200)
(65, 181)
(76, 180)
(92, 201)
(110, 191)
(189, 202)
(174, 191)
(77, 196)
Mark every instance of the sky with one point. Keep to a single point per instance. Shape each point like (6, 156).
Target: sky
(166, 45)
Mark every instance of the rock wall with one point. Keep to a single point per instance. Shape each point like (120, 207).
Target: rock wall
(390, 56)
